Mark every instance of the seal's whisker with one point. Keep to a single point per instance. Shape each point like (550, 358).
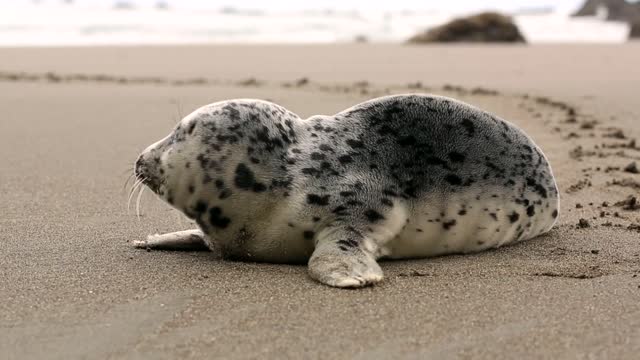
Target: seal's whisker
(138, 202)
(127, 181)
(138, 183)
(135, 184)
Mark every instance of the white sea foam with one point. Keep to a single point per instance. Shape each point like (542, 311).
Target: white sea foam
(74, 25)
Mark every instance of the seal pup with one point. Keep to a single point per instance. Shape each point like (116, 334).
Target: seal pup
(405, 176)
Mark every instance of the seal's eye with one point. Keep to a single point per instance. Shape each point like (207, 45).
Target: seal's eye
(191, 128)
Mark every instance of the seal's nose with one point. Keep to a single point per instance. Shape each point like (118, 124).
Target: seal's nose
(142, 170)
(139, 167)
(147, 172)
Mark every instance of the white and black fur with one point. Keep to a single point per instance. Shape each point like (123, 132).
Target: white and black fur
(403, 176)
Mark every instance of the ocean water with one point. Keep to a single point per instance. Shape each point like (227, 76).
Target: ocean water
(60, 25)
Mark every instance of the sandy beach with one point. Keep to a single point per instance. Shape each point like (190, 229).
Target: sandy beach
(72, 286)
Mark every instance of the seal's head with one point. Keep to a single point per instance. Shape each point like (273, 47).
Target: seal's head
(166, 167)
(216, 154)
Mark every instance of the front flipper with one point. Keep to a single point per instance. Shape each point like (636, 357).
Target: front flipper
(188, 240)
(344, 258)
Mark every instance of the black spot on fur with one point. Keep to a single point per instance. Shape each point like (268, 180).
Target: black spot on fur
(432, 160)
(386, 130)
(225, 193)
(314, 199)
(407, 140)
(244, 177)
(453, 179)
(373, 216)
(531, 210)
(325, 147)
(386, 202)
(513, 217)
(345, 159)
(317, 156)
(348, 243)
(554, 214)
(456, 157)
(469, 127)
(340, 210)
(310, 171)
(410, 191)
(325, 165)
(259, 187)
(449, 224)
(347, 193)
(356, 144)
(216, 219)
(200, 207)
(537, 187)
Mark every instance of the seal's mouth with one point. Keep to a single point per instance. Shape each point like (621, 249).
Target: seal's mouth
(152, 185)
(144, 174)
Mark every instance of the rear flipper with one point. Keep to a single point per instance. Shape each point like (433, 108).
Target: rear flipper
(188, 240)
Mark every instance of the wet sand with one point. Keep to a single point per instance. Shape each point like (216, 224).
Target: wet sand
(72, 285)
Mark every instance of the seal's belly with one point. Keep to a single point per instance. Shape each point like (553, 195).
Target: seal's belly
(463, 224)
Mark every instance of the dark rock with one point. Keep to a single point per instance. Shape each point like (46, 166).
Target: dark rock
(483, 27)
(620, 10)
(616, 10)
(635, 28)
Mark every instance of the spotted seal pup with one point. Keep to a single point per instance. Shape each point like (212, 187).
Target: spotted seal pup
(398, 177)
